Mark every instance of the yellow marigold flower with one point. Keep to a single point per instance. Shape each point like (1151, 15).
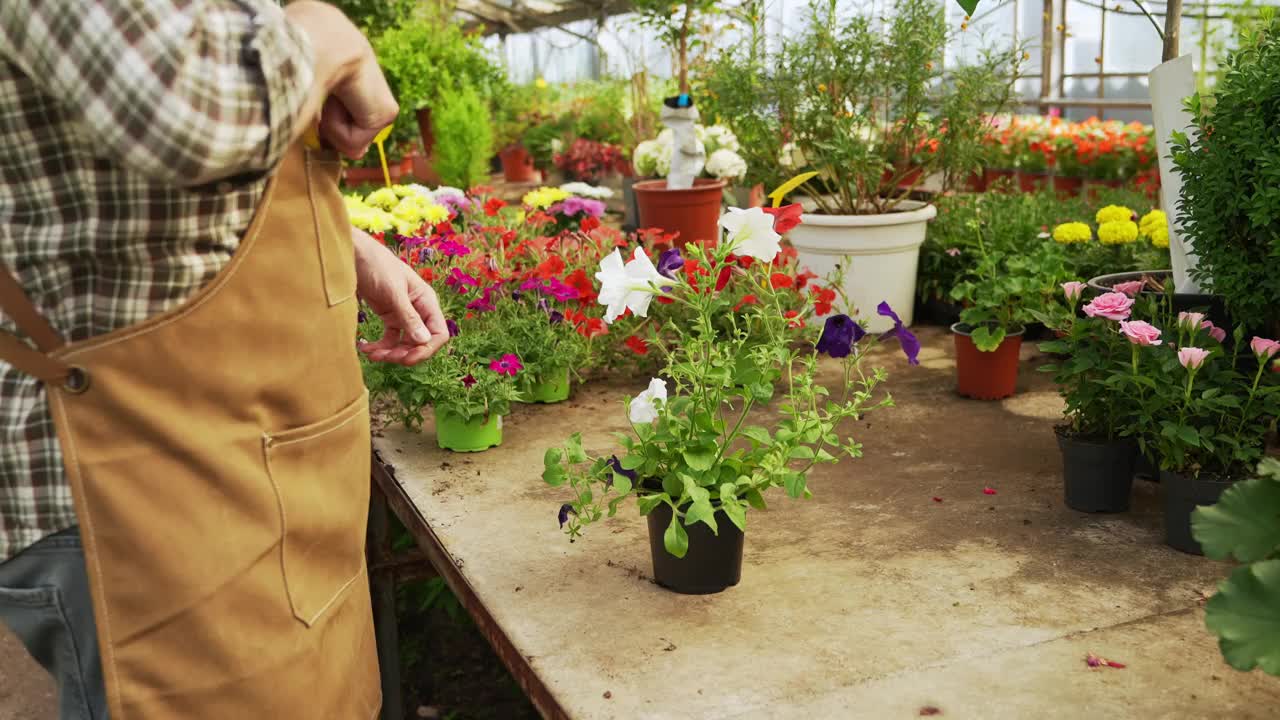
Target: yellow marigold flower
(1114, 213)
(1072, 232)
(1152, 221)
(1118, 232)
(1160, 237)
(383, 198)
(544, 197)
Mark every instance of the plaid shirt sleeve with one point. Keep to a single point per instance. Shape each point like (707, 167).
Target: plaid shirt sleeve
(184, 91)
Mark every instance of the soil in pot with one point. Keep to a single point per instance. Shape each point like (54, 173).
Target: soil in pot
(475, 435)
(986, 375)
(1182, 495)
(1097, 475)
(712, 564)
(693, 213)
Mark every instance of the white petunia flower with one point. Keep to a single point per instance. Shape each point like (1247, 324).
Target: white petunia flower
(644, 407)
(726, 165)
(751, 233)
(632, 285)
(584, 190)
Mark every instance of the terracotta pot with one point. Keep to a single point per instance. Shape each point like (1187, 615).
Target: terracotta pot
(1032, 182)
(693, 213)
(992, 176)
(986, 375)
(1095, 187)
(517, 165)
(909, 178)
(1067, 187)
(424, 130)
(977, 181)
(373, 175)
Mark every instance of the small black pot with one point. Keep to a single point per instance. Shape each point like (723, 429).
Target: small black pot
(1182, 495)
(1097, 475)
(936, 311)
(1145, 468)
(713, 563)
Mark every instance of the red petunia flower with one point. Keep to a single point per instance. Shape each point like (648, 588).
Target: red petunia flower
(637, 345)
(745, 301)
(723, 278)
(778, 281)
(793, 318)
(785, 218)
(588, 224)
(492, 206)
(593, 327)
(427, 274)
(803, 278)
(551, 267)
(823, 299)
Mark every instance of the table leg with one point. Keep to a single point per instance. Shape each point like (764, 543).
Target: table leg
(382, 582)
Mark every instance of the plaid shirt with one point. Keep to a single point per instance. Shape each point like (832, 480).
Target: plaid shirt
(135, 136)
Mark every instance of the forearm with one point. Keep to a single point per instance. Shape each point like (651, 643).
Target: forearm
(339, 49)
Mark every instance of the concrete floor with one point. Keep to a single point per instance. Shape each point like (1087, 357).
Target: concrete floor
(981, 606)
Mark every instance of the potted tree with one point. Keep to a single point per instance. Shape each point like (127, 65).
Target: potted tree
(1229, 193)
(464, 137)
(694, 461)
(844, 96)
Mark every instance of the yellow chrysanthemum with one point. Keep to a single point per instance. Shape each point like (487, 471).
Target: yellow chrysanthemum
(1114, 213)
(436, 214)
(403, 191)
(1118, 232)
(1072, 232)
(383, 198)
(371, 220)
(544, 197)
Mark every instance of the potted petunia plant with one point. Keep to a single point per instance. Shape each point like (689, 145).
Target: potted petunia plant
(701, 453)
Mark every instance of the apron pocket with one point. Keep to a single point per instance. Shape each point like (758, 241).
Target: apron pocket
(332, 227)
(321, 476)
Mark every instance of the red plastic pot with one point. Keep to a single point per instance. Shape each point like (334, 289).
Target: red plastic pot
(517, 165)
(991, 176)
(373, 175)
(986, 375)
(1068, 187)
(1032, 182)
(977, 181)
(693, 213)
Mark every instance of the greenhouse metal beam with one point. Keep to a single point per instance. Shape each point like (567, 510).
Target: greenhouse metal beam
(521, 19)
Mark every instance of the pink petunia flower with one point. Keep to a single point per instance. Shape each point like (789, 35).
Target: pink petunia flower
(507, 365)
(1140, 332)
(1192, 357)
(1112, 306)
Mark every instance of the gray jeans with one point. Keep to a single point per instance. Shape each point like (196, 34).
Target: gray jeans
(44, 599)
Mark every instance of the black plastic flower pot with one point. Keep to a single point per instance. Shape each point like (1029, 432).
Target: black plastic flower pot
(712, 564)
(1145, 468)
(1097, 475)
(1182, 495)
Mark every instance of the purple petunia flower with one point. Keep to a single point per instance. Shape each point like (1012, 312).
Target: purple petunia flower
(838, 336)
(361, 316)
(556, 317)
(452, 248)
(559, 290)
(460, 280)
(484, 303)
(669, 262)
(563, 515)
(532, 283)
(454, 330)
(616, 466)
(582, 206)
(910, 344)
(414, 241)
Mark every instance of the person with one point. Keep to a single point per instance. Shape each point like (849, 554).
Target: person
(184, 434)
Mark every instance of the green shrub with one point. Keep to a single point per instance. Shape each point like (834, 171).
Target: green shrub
(464, 138)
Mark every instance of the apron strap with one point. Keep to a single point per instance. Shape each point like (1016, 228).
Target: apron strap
(33, 361)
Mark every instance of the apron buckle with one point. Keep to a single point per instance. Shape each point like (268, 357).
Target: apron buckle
(77, 380)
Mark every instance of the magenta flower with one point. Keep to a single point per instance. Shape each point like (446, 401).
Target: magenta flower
(1215, 332)
(452, 248)
(460, 281)
(507, 365)
(1264, 348)
(1131, 288)
(1073, 290)
(484, 303)
(559, 290)
(1192, 357)
(468, 381)
(907, 339)
(1190, 321)
(532, 283)
(1112, 306)
(578, 206)
(1140, 332)
(454, 330)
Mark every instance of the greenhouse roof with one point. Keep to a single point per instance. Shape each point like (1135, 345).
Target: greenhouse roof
(501, 17)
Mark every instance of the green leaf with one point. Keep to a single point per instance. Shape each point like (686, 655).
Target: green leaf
(675, 539)
(1245, 615)
(736, 512)
(702, 512)
(631, 462)
(986, 339)
(795, 484)
(1188, 435)
(756, 433)
(621, 484)
(554, 476)
(700, 459)
(801, 452)
(649, 502)
(552, 458)
(756, 500)
(574, 449)
(1245, 523)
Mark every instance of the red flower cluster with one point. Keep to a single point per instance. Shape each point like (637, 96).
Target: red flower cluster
(588, 160)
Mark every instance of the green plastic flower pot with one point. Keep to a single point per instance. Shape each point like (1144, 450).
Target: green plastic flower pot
(475, 435)
(551, 388)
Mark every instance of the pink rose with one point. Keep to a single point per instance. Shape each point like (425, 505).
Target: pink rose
(1112, 306)
(1192, 357)
(1264, 348)
(1073, 290)
(1140, 332)
(953, 252)
(1190, 321)
(1131, 288)
(1215, 332)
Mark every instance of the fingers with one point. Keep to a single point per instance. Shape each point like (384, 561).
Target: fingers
(339, 131)
(358, 110)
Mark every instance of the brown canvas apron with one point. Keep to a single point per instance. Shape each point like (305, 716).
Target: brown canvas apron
(219, 459)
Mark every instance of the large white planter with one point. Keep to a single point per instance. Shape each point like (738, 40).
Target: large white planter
(879, 254)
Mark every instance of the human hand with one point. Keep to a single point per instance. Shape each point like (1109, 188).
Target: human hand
(414, 325)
